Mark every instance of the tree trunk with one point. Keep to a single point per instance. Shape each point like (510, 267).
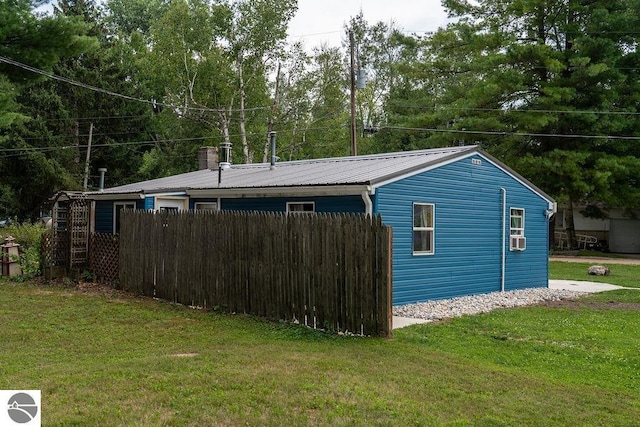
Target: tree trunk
(572, 241)
(243, 130)
(265, 155)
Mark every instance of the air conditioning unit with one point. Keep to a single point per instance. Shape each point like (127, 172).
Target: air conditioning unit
(518, 243)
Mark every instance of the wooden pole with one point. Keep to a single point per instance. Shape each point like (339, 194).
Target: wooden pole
(354, 151)
(86, 163)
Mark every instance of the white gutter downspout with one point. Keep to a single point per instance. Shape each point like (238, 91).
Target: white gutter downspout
(368, 204)
(504, 226)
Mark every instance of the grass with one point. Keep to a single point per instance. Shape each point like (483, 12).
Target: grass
(106, 358)
(621, 274)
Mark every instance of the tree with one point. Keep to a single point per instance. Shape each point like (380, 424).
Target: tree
(549, 86)
(28, 39)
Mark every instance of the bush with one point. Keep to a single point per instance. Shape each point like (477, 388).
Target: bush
(28, 236)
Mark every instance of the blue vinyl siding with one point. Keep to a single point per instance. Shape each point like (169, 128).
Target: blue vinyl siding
(104, 213)
(149, 203)
(468, 225)
(325, 204)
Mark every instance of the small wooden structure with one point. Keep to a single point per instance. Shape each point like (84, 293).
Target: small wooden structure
(67, 245)
(11, 257)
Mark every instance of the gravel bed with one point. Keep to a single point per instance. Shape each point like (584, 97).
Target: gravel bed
(474, 304)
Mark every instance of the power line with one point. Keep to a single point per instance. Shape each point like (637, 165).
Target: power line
(507, 133)
(435, 109)
(111, 93)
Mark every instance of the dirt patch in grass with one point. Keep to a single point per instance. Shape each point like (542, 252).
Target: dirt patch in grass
(596, 305)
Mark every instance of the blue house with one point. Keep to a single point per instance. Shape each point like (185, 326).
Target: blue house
(463, 222)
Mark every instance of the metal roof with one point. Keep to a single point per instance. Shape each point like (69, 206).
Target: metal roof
(354, 170)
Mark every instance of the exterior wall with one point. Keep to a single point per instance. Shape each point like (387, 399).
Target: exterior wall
(325, 204)
(468, 232)
(616, 240)
(104, 213)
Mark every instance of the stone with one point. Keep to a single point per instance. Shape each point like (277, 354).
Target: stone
(599, 270)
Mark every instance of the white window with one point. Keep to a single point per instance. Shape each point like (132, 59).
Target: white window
(117, 207)
(170, 204)
(423, 228)
(301, 207)
(205, 206)
(517, 239)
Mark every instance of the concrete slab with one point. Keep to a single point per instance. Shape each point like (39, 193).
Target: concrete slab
(582, 286)
(401, 322)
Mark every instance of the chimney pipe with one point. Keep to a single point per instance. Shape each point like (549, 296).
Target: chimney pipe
(225, 161)
(272, 137)
(101, 185)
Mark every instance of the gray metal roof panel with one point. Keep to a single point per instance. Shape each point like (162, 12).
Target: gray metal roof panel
(354, 170)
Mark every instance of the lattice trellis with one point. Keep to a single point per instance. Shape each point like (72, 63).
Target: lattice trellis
(104, 257)
(68, 244)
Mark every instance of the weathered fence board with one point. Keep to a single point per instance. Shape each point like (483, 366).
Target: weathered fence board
(326, 271)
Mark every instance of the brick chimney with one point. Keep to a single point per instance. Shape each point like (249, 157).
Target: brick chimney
(208, 158)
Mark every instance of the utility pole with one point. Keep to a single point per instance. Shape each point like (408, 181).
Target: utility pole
(86, 163)
(354, 151)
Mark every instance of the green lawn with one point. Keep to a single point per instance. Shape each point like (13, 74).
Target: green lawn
(622, 275)
(103, 358)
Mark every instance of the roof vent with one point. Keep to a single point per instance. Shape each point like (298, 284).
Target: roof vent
(272, 138)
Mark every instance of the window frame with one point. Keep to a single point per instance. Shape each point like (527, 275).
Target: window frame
(296, 212)
(197, 206)
(430, 229)
(116, 223)
(517, 232)
(171, 201)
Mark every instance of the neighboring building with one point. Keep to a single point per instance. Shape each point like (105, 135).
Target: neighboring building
(463, 223)
(619, 233)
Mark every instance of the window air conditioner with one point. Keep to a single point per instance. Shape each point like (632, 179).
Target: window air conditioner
(518, 243)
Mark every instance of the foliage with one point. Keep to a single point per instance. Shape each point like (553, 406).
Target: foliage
(38, 41)
(549, 86)
(100, 357)
(28, 236)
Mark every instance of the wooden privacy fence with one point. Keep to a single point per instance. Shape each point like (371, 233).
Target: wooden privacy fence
(329, 272)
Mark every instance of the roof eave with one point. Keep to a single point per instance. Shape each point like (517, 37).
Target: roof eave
(282, 191)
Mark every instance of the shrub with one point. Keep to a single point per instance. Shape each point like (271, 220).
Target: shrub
(28, 236)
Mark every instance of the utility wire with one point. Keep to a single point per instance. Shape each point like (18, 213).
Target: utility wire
(111, 93)
(436, 109)
(507, 133)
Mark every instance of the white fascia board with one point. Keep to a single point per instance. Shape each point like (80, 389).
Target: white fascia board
(116, 196)
(426, 168)
(175, 194)
(516, 176)
(301, 191)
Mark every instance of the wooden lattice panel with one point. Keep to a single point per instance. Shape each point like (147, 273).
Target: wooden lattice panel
(104, 257)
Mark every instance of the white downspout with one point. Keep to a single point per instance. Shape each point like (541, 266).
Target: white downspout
(368, 204)
(504, 226)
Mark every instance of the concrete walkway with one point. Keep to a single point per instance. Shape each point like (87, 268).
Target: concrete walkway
(570, 285)
(582, 286)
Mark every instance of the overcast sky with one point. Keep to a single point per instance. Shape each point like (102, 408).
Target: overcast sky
(319, 21)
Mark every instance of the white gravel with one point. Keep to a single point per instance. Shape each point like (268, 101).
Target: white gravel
(474, 304)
